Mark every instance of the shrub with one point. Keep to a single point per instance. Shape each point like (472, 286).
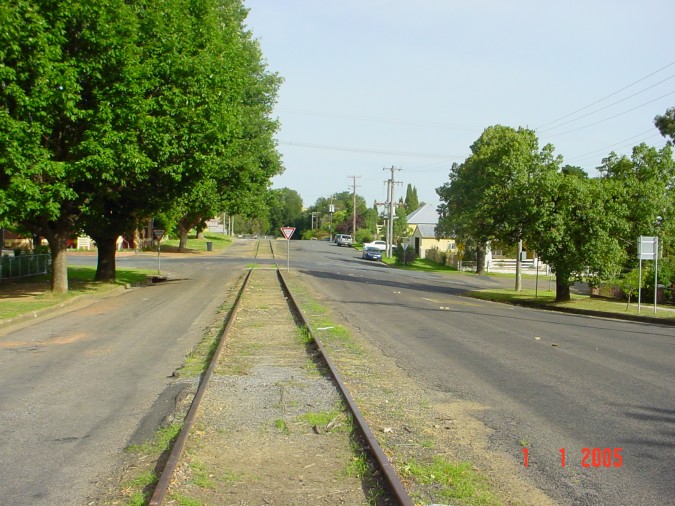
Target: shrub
(363, 235)
(404, 256)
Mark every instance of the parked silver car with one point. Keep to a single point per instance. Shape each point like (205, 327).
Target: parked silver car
(344, 240)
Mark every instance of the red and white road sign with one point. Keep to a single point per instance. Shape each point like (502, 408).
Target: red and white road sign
(288, 232)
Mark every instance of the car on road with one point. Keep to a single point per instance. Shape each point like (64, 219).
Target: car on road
(371, 253)
(344, 240)
(381, 245)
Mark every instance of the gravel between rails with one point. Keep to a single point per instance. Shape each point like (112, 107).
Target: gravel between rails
(270, 429)
(411, 423)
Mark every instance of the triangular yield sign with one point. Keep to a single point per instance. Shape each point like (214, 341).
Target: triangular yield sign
(287, 231)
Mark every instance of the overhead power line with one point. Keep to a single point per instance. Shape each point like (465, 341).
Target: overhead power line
(605, 107)
(612, 117)
(613, 147)
(606, 97)
(375, 119)
(371, 151)
(605, 148)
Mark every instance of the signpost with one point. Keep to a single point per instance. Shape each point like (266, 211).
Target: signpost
(288, 233)
(648, 249)
(157, 234)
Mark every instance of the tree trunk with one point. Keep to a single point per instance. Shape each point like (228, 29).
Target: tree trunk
(480, 258)
(105, 270)
(183, 233)
(562, 288)
(58, 247)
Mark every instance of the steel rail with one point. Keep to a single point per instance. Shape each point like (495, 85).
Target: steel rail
(395, 484)
(178, 446)
(396, 487)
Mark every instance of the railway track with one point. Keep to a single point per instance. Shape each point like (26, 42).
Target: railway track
(272, 422)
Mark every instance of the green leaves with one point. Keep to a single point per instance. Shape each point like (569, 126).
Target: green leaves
(490, 196)
(666, 124)
(583, 228)
(113, 111)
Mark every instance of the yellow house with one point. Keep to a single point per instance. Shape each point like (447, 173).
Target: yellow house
(422, 232)
(424, 239)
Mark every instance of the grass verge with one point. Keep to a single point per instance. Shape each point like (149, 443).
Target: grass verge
(427, 482)
(140, 486)
(218, 243)
(453, 481)
(420, 264)
(545, 299)
(25, 296)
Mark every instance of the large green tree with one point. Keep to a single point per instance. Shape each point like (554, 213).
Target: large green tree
(578, 228)
(208, 125)
(489, 196)
(285, 209)
(343, 217)
(113, 111)
(69, 112)
(646, 187)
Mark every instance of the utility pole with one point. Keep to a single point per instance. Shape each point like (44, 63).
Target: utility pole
(331, 210)
(391, 206)
(354, 186)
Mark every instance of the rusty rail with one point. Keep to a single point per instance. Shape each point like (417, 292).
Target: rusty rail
(396, 487)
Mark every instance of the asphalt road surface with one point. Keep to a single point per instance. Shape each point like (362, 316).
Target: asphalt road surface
(603, 390)
(75, 389)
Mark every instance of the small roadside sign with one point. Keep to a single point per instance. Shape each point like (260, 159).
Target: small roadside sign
(648, 247)
(288, 232)
(157, 234)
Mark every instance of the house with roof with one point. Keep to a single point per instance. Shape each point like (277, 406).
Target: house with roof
(422, 224)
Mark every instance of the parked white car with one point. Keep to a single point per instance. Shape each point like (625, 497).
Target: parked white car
(381, 245)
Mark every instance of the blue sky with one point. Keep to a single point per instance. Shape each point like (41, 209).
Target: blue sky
(370, 84)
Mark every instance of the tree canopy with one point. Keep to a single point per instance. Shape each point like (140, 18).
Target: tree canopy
(584, 228)
(489, 195)
(666, 124)
(111, 112)
(577, 229)
(412, 202)
(69, 113)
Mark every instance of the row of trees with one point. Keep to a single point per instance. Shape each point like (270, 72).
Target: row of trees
(510, 190)
(285, 208)
(112, 112)
(369, 220)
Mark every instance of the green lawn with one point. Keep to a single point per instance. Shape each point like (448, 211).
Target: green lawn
(27, 295)
(420, 265)
(220, 242)
(546, 300)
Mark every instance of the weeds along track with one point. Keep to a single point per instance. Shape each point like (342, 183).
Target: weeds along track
(272, 422)
(264, 250)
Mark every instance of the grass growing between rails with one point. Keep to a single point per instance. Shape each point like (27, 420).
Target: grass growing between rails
(546, 299)
(218, 243)
(28, 295)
